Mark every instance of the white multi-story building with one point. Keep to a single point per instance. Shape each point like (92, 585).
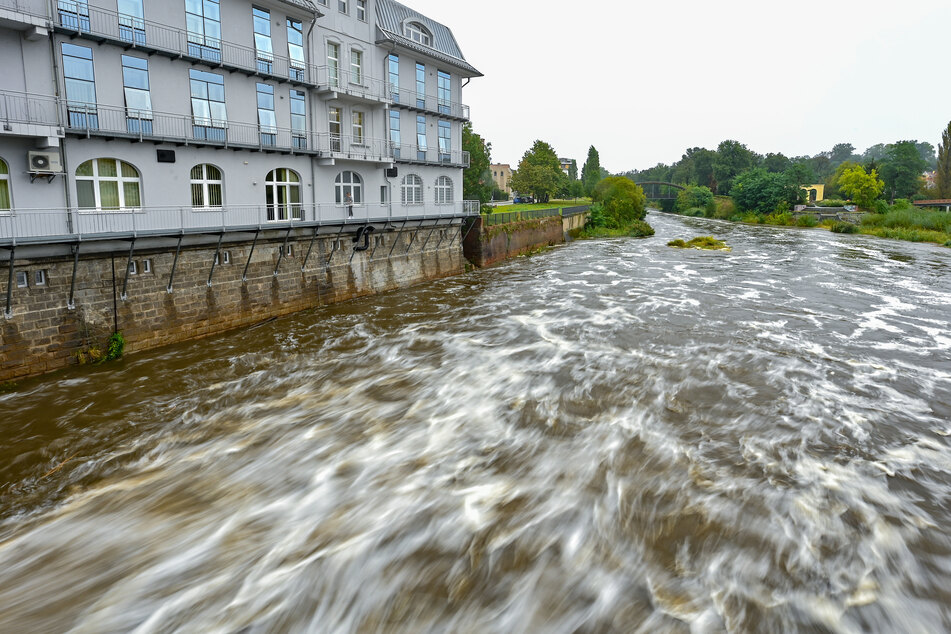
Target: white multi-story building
(171, 115)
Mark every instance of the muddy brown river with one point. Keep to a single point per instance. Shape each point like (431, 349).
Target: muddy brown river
(613, 436)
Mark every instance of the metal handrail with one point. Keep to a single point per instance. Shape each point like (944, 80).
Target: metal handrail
(146, 34)
(409, 153)
(429, 103)
(33, 8)
(507, 217)
(21, 107)
(42, 225)
(355, 84)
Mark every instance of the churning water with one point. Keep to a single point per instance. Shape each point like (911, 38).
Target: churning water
(615, 436)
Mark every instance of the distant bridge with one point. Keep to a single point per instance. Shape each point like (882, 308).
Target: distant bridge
(657, 190)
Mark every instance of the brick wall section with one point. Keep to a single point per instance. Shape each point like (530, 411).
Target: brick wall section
(485, 246)
(44, 335)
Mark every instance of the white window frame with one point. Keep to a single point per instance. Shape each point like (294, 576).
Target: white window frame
(356, 66)
(39, 277)
(119, 179)
(147, 265)
(362, 10)
(333, 63)
(352, 184)
(133, 268)
(206, 183)
(23, 280)
(411, 190)
(358, 127)
(285, 211)
(418, 33)
(343, 6)
(444, 190)
(5, 177)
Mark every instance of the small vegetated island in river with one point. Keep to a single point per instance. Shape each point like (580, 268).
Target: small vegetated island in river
(704, 243)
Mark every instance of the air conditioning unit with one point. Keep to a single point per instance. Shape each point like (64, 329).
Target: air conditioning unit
(45, 162)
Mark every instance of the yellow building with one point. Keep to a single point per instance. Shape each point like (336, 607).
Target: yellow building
(816, 193)
(502, 175)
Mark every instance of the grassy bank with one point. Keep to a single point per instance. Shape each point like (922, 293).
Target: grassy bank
(554, 204)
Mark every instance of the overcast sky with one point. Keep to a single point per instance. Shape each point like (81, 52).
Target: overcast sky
(642, 81)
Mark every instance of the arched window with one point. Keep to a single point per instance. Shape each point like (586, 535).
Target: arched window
(349, 183)
(5, 203)
(444, 190)
(108, 184)
(206, 187)
(283, 195)
(418, 33)
(412, 190)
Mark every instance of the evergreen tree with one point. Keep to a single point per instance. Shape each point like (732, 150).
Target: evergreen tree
(591, 172)
(943, 177)
(573, 171)
(902, 169)
(539, 172)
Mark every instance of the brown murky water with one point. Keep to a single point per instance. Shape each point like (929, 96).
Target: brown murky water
(611, 437)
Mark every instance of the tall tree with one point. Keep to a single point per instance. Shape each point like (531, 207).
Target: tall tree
(841, 153)
(591, 172)
(863, 187)
(926, 150)
(539, 172)
(776, 163)
(733, 158)
(475, 184)
(573, 171)
(902, 169)
(943, 177)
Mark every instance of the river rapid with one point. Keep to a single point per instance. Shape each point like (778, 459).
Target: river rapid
(614, 436)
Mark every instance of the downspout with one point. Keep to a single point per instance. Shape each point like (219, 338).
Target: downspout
(310, 115)
(59, 92)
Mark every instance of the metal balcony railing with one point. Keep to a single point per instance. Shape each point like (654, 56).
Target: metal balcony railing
(427, 103)
(23, 226)
(79, 18)
(34, 8)
(504, 218)
(429, 155)
(352, 83)
(24, 108)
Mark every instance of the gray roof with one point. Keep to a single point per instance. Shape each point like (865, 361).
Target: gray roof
(307, 5)
(392, 17)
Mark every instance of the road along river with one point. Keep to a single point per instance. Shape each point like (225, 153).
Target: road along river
(614, 436)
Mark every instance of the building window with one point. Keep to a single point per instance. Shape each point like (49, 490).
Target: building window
(336, 128)
(203, 22)
(412, 190)
(267, 120)
(206, 182)
(393, 68)
(208, 105)
(147, 266)
(108, 185)
(418, 33)
(444, 92)
(6, 201)
(283, 195)
(420, 85)
(422, 147)
(362, 10)
(299, 119)
(445, 141)
(74, 14)
(295, 49)
(333, 64)
(22, 280)
(348, 184)
(262, 39)
(343, 6)
(395, 132)
(444, 191)
(131, 21)
(39, 278)
(138, 99)
(79, 74)
(133, 268)
(358, 119)
(356, 66)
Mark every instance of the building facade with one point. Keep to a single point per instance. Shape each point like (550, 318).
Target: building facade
(140, 116)
(502, 175)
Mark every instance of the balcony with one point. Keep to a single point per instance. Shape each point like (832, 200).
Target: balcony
(26, 115)
(343, 147)
(429, 156)
(43, 226)
(427, 103)
(334, 82)
(102, 25)
(24, 14)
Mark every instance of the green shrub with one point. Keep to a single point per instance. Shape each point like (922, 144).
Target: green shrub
(751, 219)
(641, 229)
(624, 202)
(596, 217)
(694, 197)
(783, 219)
(837, 226)
(763, 192)
(116, 347)
(807, 221)
(725, 209)
(832, 202)
(708, 243)
(678, 244)
(694, 212)
(879, 207)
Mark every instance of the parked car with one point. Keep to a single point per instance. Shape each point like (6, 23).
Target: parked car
(523, 200)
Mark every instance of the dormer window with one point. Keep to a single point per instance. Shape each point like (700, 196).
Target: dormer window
(418, 33)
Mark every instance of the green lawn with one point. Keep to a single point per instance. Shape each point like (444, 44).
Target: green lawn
(554, 204)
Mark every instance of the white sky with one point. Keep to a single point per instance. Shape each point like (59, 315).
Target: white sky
(642, 81)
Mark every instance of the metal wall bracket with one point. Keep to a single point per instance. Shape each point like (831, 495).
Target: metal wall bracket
(413, 239)
(128, 267)
(244, 276)
(171, 277)
(214, 263)
(280, 256)
(71, 304)
(430, 236)
(313, 239)
(8, 313)
(396, 240)
(334, 249)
